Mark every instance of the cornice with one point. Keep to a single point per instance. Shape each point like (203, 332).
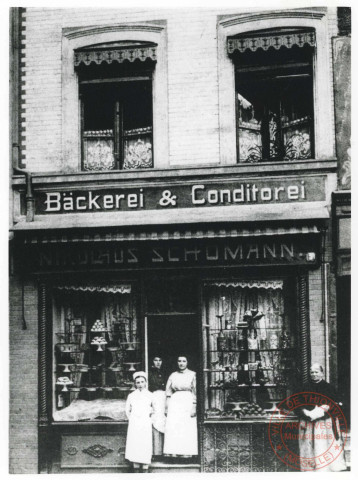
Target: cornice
(253, 17)
(72, 33)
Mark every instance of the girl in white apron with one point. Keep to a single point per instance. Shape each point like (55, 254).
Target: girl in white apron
(139, 408)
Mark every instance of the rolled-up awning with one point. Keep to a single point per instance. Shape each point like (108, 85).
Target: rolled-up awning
(208, 218)
(160, 234)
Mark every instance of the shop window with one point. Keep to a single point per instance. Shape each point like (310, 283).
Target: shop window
(274, 95)
(115, 88)
(250, 349)
(96, 350)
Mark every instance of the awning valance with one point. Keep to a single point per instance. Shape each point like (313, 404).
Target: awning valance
(274, 40)
(115, 53)
(95, 288)
(167, 234)
(267, 285)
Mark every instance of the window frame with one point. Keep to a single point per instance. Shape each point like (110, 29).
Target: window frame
(288, 292)
(58, 302)
(76, 38)
(119, 135)
(270, 70)
(229, 26)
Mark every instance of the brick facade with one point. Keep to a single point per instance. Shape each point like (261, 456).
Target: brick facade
(192, 62)
(23, 377)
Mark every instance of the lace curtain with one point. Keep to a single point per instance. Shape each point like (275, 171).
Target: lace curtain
(118, 312)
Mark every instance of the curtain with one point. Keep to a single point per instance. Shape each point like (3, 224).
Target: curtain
(227, 306)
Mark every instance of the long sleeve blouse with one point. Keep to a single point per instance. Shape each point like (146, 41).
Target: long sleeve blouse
(182, 381)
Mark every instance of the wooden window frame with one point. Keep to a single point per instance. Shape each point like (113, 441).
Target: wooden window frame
(119, 135)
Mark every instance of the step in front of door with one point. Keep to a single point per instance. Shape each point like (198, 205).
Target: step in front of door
(161, 467)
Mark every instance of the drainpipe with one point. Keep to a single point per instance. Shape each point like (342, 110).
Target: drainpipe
(30, 201)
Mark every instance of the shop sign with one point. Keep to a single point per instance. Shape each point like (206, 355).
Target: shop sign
(188, 195)
(191, 253)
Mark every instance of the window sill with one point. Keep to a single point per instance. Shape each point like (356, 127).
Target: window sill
(129, 176)
(267, 419)
(90, 426)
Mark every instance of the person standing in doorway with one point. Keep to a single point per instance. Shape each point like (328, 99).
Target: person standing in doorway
(181, 434)
(157, 382)
(139, 408)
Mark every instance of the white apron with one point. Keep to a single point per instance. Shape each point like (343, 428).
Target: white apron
(158, 419)
(139, 434)
(158, 416)
(312, 447)
(181, 434)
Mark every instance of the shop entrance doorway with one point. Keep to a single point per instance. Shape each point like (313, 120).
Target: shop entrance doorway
(170, 335)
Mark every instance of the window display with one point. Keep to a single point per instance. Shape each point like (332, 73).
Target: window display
(96, 351)
(249, 347)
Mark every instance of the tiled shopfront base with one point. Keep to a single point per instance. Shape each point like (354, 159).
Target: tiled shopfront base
(239, 448)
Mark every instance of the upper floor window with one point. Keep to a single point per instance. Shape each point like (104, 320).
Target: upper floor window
(274, 94)
(115, 88)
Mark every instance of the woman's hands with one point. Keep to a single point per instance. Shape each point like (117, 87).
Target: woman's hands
(316, 413)
(166, 406)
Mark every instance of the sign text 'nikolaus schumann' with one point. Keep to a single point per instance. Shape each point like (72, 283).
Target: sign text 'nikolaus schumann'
(226, 193)
(159, 254)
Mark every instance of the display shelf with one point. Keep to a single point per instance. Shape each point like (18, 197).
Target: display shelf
(96, 362)
(236, 328)
(249, 350)
(249, 344)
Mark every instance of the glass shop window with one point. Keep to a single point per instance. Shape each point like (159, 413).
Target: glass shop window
(115, 88)
(274, 96)
(96, 350)
(250, 348)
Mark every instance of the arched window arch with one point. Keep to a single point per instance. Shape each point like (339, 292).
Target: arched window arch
(256, 52)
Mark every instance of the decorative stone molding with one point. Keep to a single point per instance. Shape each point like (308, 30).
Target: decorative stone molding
(270, 15)
(71, 450)
(304, 326)
(97, 451)
(72, 33)
(43, 418)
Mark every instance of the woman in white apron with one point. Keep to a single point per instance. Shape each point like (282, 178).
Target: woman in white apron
(157, 382)
(319, 432)
(181, 434)
(139, 408)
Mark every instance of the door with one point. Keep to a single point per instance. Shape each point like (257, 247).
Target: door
(170, 335)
